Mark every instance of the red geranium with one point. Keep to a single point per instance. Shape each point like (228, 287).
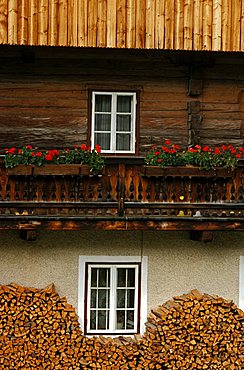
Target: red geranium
(49, 157)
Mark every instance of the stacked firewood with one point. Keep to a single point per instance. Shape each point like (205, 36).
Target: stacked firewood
(198, 331)
(40, 330)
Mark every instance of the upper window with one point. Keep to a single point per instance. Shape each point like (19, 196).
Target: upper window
(113, 293)
(113, 121)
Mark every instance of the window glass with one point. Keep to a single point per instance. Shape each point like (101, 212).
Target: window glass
(123, 104)
(103, 103)
(123, 142)
(123, 123)
(103, 140)
(103, 122)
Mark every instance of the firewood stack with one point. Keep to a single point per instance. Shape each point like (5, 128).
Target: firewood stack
(198, 331)
(40, 330)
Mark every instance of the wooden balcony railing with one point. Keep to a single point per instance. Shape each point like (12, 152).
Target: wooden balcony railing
(126, 195)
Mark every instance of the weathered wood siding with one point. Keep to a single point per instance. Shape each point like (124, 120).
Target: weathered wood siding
(45, 102)
(157, 24)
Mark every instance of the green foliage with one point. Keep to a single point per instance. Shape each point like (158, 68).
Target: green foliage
(76, 155)
(204, 157)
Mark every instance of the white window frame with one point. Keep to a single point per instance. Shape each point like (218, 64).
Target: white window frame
(113, 131)
(101, 261)
(241, 293)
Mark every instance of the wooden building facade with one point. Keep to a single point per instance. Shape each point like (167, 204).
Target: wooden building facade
(148, 24)
(180, 66)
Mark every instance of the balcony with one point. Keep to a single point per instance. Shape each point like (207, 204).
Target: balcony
(125, 196)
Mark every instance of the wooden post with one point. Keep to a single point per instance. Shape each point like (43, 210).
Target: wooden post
(195, 87)
(194, 122)
(121, 190)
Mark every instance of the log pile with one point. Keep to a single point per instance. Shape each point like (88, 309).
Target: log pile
(198, 331)
(40, 330)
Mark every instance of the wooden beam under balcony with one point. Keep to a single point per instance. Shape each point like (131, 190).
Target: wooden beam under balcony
(123, 224)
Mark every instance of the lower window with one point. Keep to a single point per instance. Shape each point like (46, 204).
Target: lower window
(113, 296)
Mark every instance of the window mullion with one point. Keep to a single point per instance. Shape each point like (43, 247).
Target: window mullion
(113, 122)
(113, 284)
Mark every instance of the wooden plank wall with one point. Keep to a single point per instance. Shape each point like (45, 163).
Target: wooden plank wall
(157, 24)
(45, 103)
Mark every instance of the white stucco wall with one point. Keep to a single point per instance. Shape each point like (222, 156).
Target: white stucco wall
(175, 263)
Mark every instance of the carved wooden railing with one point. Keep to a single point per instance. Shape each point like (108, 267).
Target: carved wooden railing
(123, 191)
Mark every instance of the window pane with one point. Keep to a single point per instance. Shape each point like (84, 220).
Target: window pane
(104, 277)
(103, 122)
(121, 277)
(93, 298)
(131, 277)
(103, 298)
(103, 103)
(103, 140)
(93, 320)
(120, 322)
(123, 123)
(102, 320)
(124, 104)
(130, 298)
(123, 142)
(121, 298)
(93, 277)
(130, 320)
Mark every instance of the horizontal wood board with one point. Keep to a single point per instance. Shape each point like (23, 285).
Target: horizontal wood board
(46, 102)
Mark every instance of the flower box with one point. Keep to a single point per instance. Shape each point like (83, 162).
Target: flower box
(62, 169)
(187, 171)
(49, 169)
(20, 170)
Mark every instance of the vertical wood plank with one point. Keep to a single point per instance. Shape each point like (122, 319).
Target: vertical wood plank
(101, 23)
(82, 10)
(32, 23)
(236, 25)
(179, 24)
(207, 24)
(159, 24)
(3, 21)
(42, 22)
(140, 23)
(23, 7)
(216, 29)
(111, 23)
(226, 25)
(53, 24)
(12, 21)
(121, 24)
(72, 23)
(197, 24)
(92, 23)
(131, 26)
(188, 25)
(63, 22)
(150, 25)
(242, 27)
(169, 24)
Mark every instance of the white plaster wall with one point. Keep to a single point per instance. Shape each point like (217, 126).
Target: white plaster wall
(175, 263)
